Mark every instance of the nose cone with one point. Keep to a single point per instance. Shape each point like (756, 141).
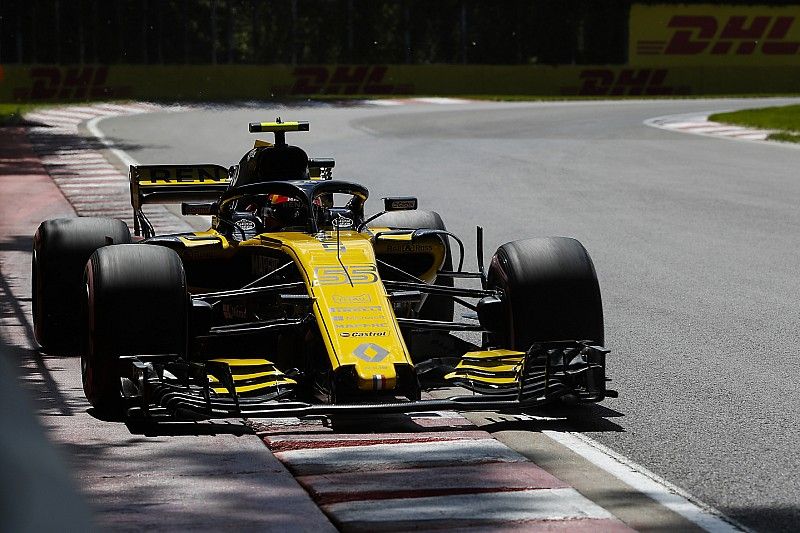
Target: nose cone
(374, 368)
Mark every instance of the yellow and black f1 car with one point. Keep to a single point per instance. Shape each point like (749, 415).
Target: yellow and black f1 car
(295, 303)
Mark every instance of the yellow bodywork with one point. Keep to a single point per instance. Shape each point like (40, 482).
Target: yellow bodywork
(250, 376)
(352, 308)
(491, 367)
(406, 243)
(355, 317)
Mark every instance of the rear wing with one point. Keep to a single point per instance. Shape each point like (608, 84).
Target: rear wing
(170, 184)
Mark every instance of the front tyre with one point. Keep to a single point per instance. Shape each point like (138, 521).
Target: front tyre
(137, 303)
(550, 290)
(61, 248)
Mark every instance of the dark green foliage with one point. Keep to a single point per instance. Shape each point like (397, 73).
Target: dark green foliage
(316, 31)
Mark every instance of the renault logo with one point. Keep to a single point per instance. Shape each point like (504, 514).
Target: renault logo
(371, 353)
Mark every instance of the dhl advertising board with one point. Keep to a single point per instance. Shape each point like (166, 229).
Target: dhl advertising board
(673, 50)
(708, 34)
(49, 83)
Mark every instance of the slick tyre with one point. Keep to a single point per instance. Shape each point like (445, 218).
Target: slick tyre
(61, 248)
(551, 293)
(136, 303)
(435, 307)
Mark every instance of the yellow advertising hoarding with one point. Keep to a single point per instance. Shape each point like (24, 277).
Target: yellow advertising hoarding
(708, 34)
(50, 83)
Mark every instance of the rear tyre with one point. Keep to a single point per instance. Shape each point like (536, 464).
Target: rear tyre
(137, 303)
(551, 293)
(61, 248)
(435, 307)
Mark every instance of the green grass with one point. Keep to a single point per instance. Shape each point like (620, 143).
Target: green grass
(11, 114)
(784, 136)
(785, 118)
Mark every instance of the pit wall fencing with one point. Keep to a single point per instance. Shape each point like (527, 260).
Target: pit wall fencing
(50, 83)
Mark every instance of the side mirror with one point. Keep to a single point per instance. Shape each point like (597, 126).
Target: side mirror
(399, 203)
(492, 313)
(392, 203)
(199, 208)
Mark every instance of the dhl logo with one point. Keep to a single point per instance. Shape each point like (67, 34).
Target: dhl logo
(69, 83)
(344, 80)
(737, 34)
(624, 82)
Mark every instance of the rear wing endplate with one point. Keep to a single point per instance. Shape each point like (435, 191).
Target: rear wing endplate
(169, 184)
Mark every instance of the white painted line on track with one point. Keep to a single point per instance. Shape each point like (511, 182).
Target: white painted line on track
(646, 482)
(93, 128)
(91, 184)
(538, 504)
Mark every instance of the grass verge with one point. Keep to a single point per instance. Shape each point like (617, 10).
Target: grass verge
(11, 114)
(786, 119)
(784, 137)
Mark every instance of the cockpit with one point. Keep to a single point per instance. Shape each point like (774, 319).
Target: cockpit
(303, 205)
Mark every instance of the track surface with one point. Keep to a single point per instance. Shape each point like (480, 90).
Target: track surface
(184, 476)
(695, 241)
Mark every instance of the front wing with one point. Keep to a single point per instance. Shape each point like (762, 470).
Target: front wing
(498, 380)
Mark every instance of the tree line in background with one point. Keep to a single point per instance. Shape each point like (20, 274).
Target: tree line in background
(317, 31)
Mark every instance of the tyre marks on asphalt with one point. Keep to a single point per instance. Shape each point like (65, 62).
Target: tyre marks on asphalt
(92, 185)
(427, 472)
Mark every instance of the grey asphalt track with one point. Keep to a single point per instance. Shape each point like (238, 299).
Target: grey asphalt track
(695, 241)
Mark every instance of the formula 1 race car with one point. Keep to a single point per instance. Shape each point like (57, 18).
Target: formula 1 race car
(294, 303)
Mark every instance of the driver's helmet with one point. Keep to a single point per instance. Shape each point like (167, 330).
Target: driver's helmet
(279, 212)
